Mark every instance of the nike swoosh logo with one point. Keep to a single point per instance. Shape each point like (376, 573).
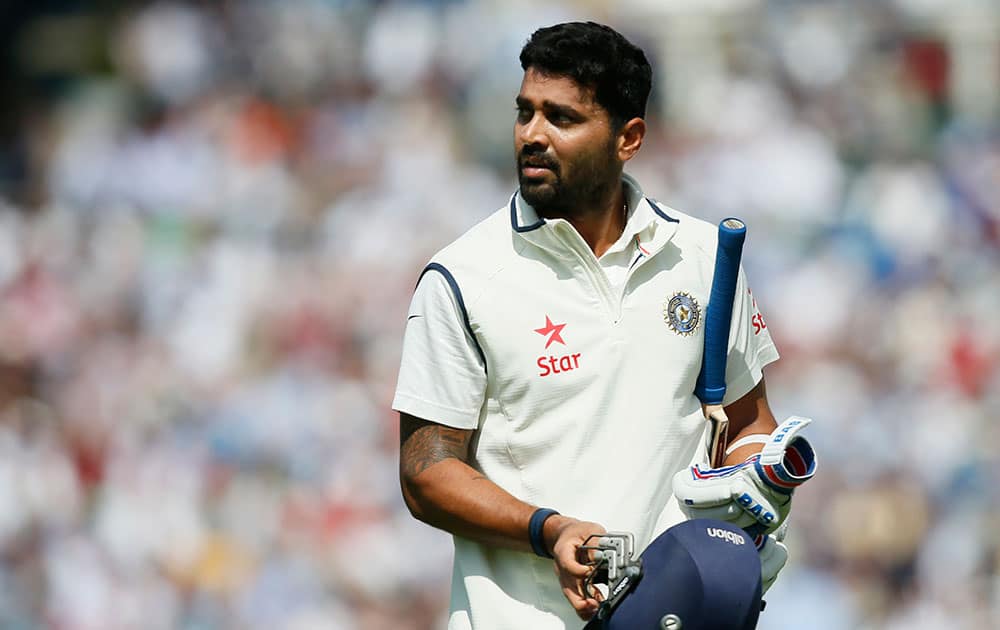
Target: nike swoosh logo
(637, 259)
(412, 316)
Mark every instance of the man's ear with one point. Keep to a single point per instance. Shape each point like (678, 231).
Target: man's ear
(630, 138)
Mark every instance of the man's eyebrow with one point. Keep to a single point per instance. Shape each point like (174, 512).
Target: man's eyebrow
(520, 101)
(561, 109)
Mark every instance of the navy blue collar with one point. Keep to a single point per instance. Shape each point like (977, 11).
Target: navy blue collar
(513, 218)
(661, 213)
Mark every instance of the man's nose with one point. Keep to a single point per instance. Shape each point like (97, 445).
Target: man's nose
(532, 132)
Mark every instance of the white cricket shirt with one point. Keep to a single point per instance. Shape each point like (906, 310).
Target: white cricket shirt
(581, 393)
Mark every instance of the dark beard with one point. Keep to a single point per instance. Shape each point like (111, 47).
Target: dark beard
(543, 197)
(592, 181)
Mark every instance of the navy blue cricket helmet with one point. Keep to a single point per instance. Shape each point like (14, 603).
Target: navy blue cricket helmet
(702, 574)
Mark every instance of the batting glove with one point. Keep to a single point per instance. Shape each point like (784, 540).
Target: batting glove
(773, 556)
(757, 494)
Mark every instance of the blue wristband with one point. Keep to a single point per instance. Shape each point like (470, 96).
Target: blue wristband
(535, 526)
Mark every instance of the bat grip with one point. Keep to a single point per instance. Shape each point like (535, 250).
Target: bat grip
(712, 382)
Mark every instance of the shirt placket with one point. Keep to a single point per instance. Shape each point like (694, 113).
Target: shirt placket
(592, 268)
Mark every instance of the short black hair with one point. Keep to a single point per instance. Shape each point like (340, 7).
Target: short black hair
(598, 58)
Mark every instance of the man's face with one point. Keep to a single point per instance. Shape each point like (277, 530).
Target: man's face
(564, 143)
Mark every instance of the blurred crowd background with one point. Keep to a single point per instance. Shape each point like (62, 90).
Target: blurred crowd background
(212, 215)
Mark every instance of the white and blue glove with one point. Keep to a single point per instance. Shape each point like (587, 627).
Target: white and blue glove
(756, 494)
(773, 556)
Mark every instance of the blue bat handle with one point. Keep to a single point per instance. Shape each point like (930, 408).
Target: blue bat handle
(711, 385)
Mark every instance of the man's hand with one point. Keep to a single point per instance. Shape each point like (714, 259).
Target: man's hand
(757, 494)
(564, 536)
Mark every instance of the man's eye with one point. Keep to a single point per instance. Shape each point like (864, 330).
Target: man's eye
(523, 114)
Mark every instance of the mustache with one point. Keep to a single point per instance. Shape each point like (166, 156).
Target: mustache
(538, 160)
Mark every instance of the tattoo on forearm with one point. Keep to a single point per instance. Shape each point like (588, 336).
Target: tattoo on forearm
(423, 444)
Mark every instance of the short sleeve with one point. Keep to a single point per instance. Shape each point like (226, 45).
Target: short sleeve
(750, 344)
(442, 375)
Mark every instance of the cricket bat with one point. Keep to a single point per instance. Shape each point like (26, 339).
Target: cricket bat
(711, 384)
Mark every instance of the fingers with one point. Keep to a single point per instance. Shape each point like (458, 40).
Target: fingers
(767, 507)
(574, 588)
(759, 507)
(704, 488)
(730, 512)
(571, 571)
(572, 578)
(584, 604)
(773, 556)
(568, 541)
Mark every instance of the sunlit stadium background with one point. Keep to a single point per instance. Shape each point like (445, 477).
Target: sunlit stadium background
(212, 215)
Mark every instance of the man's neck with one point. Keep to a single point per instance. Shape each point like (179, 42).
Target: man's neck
(602, 225)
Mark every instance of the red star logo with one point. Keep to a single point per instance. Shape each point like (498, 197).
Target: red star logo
(554, 331)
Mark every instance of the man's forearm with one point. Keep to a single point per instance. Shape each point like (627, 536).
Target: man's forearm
(442, 490)
(762, 427)
(452, 496)
(750, 415)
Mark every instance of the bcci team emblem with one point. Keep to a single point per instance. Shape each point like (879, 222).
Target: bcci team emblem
(682, 313)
